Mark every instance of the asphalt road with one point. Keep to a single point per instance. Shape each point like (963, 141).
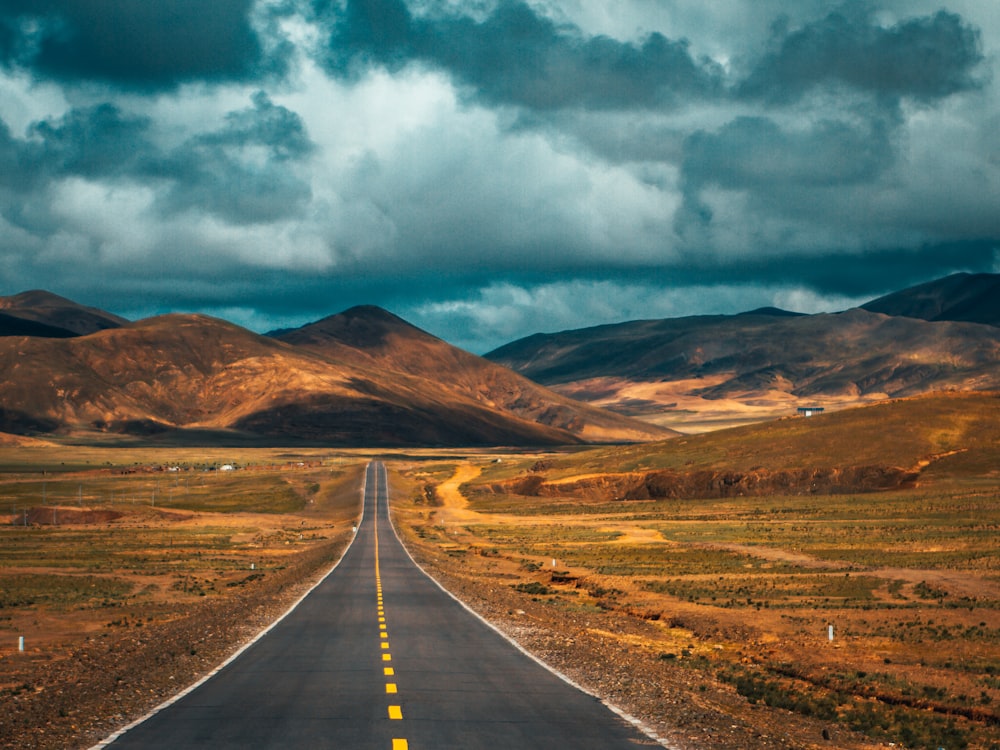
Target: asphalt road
(378, 656)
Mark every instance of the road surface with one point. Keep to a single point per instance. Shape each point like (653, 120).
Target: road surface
(378, 656)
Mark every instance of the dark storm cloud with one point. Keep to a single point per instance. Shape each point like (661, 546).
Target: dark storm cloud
(91, 142)
(242, 172)
(517, 56)
(924, 58)
(754, 153)
(136, 44)
(211, 172)
(782, 172)
(837, 272)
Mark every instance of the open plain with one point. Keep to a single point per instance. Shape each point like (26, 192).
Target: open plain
(789, 585)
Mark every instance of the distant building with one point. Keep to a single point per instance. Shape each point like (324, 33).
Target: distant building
(808, 411)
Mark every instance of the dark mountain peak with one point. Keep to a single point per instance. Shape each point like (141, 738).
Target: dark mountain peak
(11, 325)
(58, 312)
(962, 297)
(774, 312)
(361, 327)
(35, 298)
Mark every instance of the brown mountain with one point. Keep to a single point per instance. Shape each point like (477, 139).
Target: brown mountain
(11, 325)
(374, 338)
(710, 371)
(919, 439)
(58, 312)
(972, 298)
(189, 378)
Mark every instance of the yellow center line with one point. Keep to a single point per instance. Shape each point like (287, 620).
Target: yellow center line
(395, 712)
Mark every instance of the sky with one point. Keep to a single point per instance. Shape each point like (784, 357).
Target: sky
(488, 169)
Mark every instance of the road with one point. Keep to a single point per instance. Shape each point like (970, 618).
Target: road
(378, 656)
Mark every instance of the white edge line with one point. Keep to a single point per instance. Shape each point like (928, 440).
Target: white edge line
(637, 723)
(194, 686)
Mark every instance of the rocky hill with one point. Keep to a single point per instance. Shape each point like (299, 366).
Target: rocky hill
(195, 378)
(706, 371)
(967, 297)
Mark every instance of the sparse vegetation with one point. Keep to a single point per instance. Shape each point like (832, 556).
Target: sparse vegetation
(744, 590)
(146, 566)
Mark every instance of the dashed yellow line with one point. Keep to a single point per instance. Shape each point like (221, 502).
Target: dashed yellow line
(395, 712)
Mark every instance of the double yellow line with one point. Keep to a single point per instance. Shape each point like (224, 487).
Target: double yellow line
(395, 711)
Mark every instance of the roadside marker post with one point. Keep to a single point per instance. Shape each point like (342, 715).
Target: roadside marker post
(20, 643)
(830, 633)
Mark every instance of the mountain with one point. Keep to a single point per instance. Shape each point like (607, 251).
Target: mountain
(921, 439)
(708, 371)
(973, 298)
(373, 338)
(59, 313)
(184, 378)
(11, 325)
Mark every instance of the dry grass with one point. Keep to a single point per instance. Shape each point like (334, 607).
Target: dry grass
(743, 589)
(116, 545)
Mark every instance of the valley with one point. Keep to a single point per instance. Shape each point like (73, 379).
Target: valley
(704, 614)
(649, 517)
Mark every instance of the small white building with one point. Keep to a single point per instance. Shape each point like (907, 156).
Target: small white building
(809, 411)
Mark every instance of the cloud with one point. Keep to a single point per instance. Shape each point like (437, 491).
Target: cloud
(515, 55)
(923, 58)
(500, 312)
(754, 152)
(492, 167)
(136, 45)
(243, 172)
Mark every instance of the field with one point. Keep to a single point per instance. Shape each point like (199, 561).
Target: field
(830, 582)
(130, 572)
(727, 603)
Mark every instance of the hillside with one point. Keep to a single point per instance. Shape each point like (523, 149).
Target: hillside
(11, 325)
(370, 337)
(186, 378)
(892, 444)
(972, 298)
(59, 313)
(685, 372)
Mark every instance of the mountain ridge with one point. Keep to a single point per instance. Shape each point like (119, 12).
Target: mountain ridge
(702, 372)
(964, 297)
(169, 376)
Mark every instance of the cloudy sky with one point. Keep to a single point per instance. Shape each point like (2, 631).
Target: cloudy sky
(492, 168)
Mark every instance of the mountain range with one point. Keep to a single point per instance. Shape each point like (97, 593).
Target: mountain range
(364, 377)
(367, 377)
(703, 372)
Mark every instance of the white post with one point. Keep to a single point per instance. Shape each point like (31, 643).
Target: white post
(20, 643)
(830, 633)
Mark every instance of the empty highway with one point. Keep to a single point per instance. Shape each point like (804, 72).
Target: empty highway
(377, 656)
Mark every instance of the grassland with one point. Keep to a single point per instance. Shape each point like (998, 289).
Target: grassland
(129, 572)
(732, 598)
